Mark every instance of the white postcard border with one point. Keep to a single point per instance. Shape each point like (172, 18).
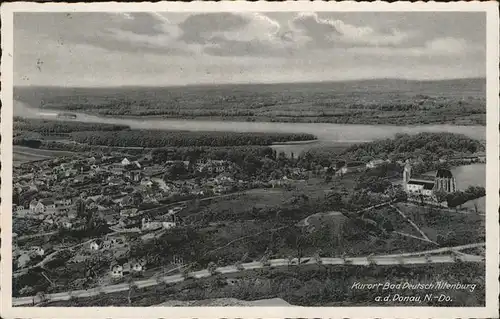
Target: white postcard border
(492, 168)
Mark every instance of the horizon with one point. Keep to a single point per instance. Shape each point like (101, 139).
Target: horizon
(172, 49)
(256, 83)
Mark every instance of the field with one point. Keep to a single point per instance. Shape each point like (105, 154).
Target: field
(23, 154)
(397, 102)
(398, 223)
(448, 228)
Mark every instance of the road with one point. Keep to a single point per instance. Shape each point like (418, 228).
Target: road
(18, 238)
(47, 259)
(397, 259)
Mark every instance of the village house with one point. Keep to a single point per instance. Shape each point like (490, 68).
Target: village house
(168, 225)
(116, 271)
(116, 169)
(69, 173)
(125, 162)
(49, 221)
(111, 219)
(136, 266)
(36, 251)
(147, 224)
(80, 179)
(129, 212)
(375, 163)
(224, 178)
(63, 202)
(351, 167)
(23, 260)
(134, 175)
(115, 182)
(126, 201)
(21, 212)
(146, 181)
(111, 242)
(42, 206)
(95, 245)
(65, 223)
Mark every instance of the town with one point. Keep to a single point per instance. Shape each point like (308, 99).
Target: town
(106, 216)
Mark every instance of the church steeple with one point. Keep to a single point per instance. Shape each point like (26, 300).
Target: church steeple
(406, 174)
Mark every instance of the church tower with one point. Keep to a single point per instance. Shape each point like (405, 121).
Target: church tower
(406, 175)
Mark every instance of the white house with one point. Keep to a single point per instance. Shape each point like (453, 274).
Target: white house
(148, 224)
(375, 163)
(37, 250)
(49, 204)
(168, 225)
(23, 260)
(125, 162)
(136, 267)
(117, 271)
(129, 212)
(63, 202)
(146, 182)
(94, 246)
(36, 207)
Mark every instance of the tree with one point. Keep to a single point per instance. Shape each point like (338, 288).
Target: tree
(371, 261)
(239, 266)
(440, 195)
(41, 297)
(212, 268)
(80, 208)
(132, 287)
(387, 225)
(185, 273)
(176, 170)
(265, 261)
(317, 258)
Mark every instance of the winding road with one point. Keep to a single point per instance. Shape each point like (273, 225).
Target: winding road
(414, 258)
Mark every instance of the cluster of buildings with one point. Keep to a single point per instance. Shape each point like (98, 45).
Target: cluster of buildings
(113, 186)
(125, 193)
(443, 181)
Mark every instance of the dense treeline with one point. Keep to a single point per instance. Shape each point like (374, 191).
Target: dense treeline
(157, 138)
(461, 197)
(60, 127)
(427, 146)
(233, 154)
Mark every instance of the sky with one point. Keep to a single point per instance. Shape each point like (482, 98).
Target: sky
(168, 49)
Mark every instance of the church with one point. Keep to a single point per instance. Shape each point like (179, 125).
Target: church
(442, 181)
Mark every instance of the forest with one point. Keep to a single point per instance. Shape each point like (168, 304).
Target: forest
(48, 127)
(427, 146)
(160, 138)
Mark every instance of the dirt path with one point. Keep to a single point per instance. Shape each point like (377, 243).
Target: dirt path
(413, 224)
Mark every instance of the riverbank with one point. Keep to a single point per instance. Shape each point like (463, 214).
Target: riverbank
(352, 133)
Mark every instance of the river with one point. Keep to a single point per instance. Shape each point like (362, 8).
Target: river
(470, 175)
(326, 132)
